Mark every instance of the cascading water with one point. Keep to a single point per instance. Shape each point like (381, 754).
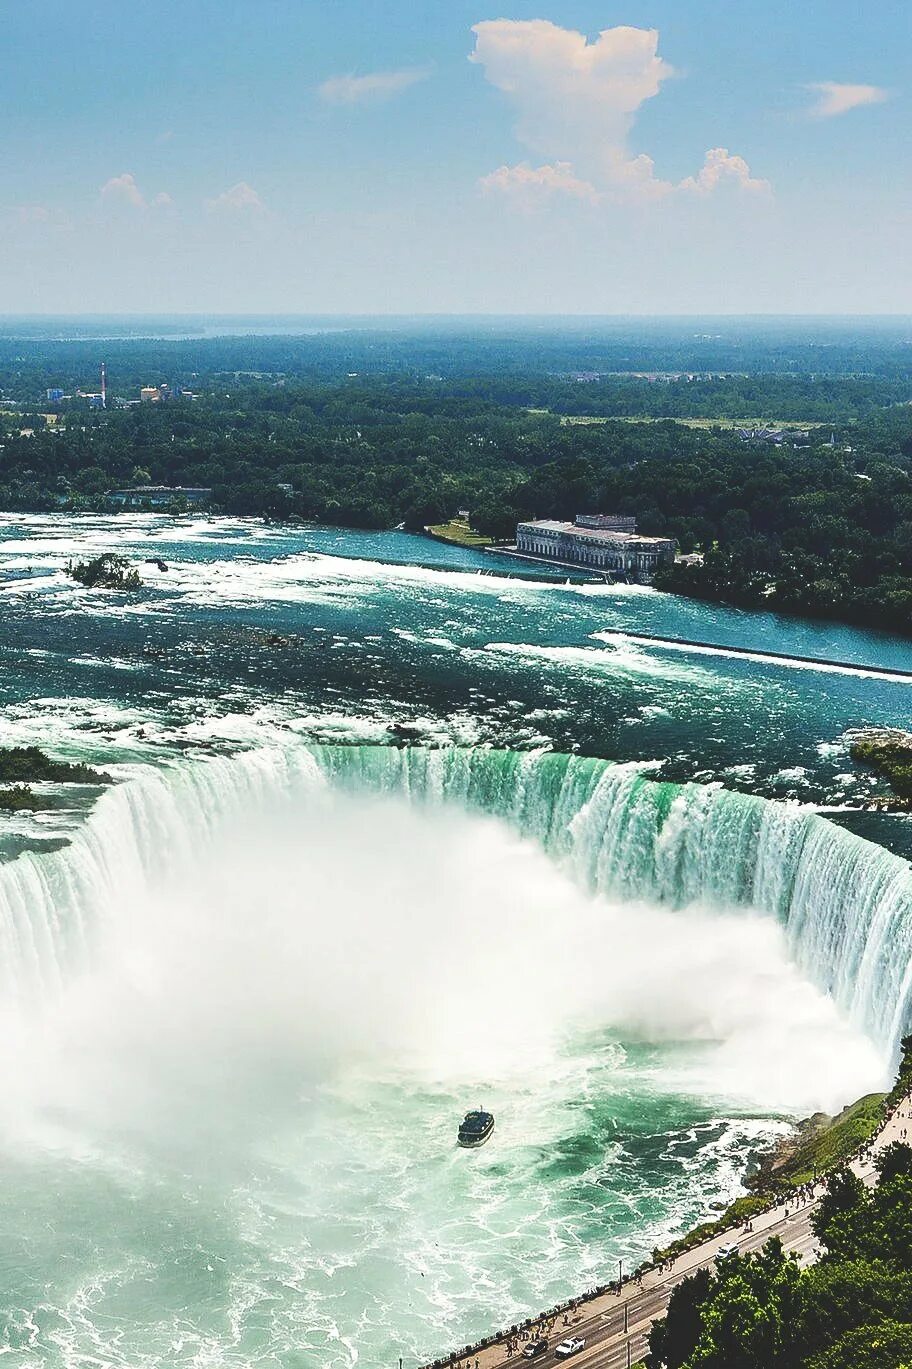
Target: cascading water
(845, 903)
(243, 1009)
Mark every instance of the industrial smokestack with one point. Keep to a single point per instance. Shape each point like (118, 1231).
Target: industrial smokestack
(104, 387)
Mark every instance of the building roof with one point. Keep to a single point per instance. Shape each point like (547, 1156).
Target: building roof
(593, 534)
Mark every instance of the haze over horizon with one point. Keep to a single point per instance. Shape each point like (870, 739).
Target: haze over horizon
(548, 159)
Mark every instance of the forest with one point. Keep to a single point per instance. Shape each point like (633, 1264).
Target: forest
(819, 525)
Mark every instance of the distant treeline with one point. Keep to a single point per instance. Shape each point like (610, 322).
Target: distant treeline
(499, 350)
(817, 528)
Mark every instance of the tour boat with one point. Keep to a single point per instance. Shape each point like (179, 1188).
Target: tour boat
(476, 1128)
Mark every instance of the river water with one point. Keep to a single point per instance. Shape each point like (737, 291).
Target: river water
(349, 886)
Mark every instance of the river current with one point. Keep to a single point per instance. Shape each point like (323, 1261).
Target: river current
(396, 833)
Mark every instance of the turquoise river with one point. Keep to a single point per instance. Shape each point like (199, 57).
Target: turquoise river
(396, 832)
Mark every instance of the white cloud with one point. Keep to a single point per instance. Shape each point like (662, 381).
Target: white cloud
(834, 98)
(722, 167)
(32, 213)
(240, 199)
(530, 185)
(576, 102)
(374, 85)
(123, 190)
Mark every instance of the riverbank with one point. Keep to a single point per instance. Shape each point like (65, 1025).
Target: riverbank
(819, 1145)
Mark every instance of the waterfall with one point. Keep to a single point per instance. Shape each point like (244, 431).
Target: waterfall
(845, 903)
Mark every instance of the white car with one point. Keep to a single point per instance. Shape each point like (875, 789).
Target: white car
(725, 1252)
(571, 1346)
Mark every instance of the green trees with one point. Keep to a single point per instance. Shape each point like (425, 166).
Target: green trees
(736, 1318)
(385, 428)
(888, 1345)
(852, 1310)
(106, 572)
(673, 1340)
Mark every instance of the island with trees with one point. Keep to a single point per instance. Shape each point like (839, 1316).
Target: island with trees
(21, 767)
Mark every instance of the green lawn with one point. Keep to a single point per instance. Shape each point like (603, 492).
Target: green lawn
(573, 420)
(834, 1144)
(459, 532)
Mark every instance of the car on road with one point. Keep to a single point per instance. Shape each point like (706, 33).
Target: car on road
(725, 1252)
(535, 1347)
(571, 1346)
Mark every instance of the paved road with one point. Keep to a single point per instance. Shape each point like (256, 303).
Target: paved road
(600, 1320)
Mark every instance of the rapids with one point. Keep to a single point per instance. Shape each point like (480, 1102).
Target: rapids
(246, 992)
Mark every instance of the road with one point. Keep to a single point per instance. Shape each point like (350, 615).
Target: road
(612, 1342)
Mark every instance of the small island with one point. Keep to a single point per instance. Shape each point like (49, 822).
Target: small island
(23, 766)
(887, 751)
(108, 571)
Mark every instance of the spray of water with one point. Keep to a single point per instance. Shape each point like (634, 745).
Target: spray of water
(255, 934)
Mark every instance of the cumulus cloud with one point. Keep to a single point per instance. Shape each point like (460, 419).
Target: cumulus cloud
(574, 99)
(721, 167)
(834, 98)
(576, 102)
(374, 85)
(123, 190)
(529, 185)
(32, 213)
(240, 199)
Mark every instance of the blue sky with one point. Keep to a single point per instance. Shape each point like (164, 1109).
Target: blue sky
(637, 156)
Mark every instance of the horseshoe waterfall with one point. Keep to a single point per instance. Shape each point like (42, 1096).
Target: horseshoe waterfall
(845, 904)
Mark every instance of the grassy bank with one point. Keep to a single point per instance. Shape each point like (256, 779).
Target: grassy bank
(821, 1145)
(458, 531)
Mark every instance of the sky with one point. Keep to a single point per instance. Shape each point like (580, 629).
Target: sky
(456, 156)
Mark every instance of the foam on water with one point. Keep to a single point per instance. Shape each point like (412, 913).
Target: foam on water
(624, 639)
(245, 1005)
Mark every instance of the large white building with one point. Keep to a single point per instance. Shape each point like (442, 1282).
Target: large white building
(598, 541)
